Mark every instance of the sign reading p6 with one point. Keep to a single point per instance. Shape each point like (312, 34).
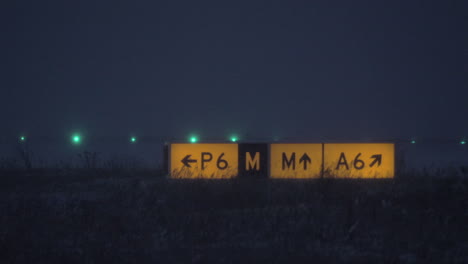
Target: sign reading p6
(203, 160)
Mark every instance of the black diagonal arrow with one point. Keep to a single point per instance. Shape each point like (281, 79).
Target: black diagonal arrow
(377, 159)
(305, 159)
(186, 161)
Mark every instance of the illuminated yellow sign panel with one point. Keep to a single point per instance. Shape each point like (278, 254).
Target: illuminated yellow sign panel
(367, 160)
(295, 160)
(203, 160)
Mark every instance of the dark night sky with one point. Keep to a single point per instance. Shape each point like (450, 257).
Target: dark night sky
(293, 69)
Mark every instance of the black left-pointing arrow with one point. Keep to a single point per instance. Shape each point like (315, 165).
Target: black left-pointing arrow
(377, 159)
(186, 161)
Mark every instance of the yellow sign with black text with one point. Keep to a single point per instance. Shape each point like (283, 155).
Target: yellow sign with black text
(215, 161)
(297, 161)
(359, 160)
(281, 160)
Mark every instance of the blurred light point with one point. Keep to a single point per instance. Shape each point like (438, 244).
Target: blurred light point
(413, 141)
(133, 139)
(463, 142)
(22, 138)
(76, 139)
(193, 139)
(234, 139)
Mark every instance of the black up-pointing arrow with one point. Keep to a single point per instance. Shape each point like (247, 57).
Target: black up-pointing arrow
(186, 161)
(377, 159)
(305, 159)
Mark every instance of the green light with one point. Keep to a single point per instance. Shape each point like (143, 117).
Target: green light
(463, 142)
(193, 139)
(133, 139)
(76, 139)
(413, 141)
(234, 139)
(22, 138)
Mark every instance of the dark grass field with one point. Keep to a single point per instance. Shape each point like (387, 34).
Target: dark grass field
(97, 216)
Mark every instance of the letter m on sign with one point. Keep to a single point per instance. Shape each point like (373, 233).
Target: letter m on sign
(290, 162)
(254, 162)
